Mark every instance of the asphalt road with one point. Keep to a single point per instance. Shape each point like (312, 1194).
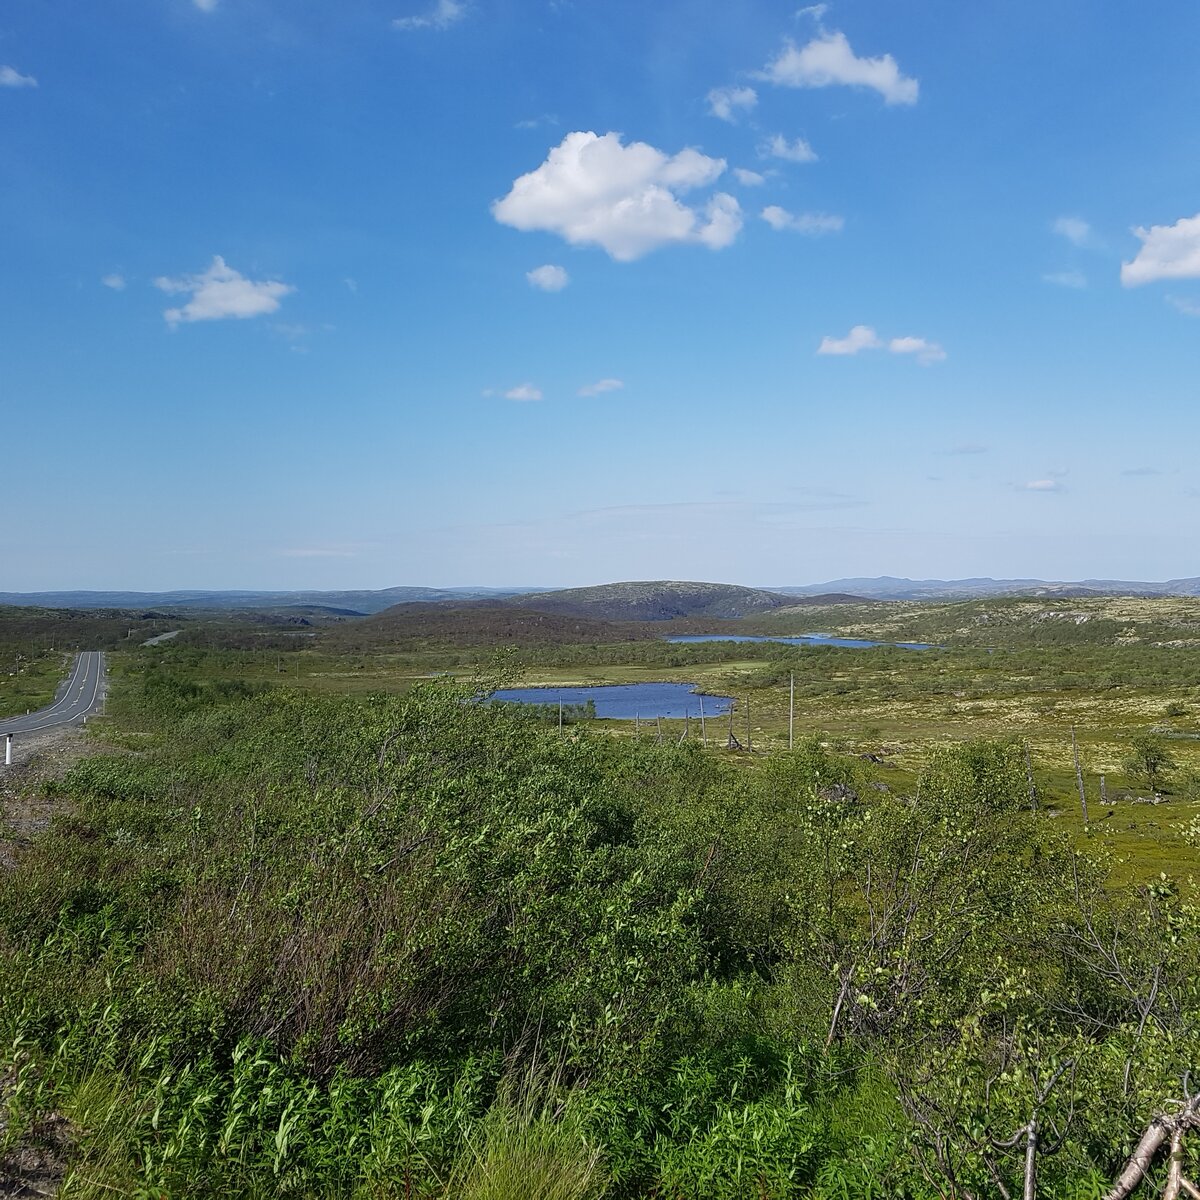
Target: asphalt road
(82, 694)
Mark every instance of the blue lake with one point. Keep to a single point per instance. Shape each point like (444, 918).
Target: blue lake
(624, 701)
(804, 639)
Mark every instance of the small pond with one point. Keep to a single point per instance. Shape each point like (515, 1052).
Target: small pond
(804, 639)
(624, 701)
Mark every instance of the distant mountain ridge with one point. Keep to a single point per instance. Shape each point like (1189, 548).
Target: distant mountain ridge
(889, 587)
(659, 600)
(356, 602)
(646, 600)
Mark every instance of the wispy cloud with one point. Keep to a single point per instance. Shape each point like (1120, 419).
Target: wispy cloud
(601, 386)
(443, 14)
(1185, 305)
(797, 150)
(1141, 471)
(922, 349)
(221, 292)
(729, 103)
(864, 337)
(1066, 279)
(548, 278)
(828, 60)
(1168, 252)
(813, 224)
(748, 178)
(1076, 230)
(1042, 485)
(318, 552)
(205, 5)
(626, 199)
(10, 77)
(968, 448)
(861, 337)
(537, 122)
(523, 392)
(115, 281)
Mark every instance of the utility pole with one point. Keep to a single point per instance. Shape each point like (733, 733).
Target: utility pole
(1079, 775)
(703, 731)
(1029, 777)
(792, 710)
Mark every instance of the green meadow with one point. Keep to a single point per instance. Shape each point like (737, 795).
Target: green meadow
(310, 921)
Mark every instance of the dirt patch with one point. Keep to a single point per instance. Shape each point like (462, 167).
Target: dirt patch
(36, 1166)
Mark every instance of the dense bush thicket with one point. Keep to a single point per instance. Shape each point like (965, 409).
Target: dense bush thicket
(423, 947)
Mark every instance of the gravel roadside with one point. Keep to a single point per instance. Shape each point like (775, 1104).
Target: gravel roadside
(25, 811)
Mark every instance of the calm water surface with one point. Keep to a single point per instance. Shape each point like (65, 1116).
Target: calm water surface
(624, 701)
(804, 639)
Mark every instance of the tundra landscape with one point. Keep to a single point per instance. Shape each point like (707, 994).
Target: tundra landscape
(599, 601)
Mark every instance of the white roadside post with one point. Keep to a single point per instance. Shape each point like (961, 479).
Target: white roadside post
(8, 749)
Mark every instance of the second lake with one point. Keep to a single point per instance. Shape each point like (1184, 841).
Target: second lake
(804, 639)
(624, 701)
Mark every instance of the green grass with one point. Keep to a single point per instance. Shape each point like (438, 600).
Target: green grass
(1130, 666)
(30, 683)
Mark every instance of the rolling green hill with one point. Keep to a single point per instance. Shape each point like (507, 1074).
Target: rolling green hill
(655, 600)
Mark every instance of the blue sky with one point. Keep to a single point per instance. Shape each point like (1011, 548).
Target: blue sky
(485, 292)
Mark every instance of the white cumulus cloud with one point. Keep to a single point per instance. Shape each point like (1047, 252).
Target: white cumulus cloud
(115, 281)
(924, 351)
(548, 278)
(1168, 252)
(592, 190)
(861, 337)
(523, 391)
(10, 77)
(813, 224)
(797, 150)
(1042, 485)
(828, 60)
(728, 103)
(601, 386)
(748, 178)
(222, 292)
(443, 14)
(1075, 229)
